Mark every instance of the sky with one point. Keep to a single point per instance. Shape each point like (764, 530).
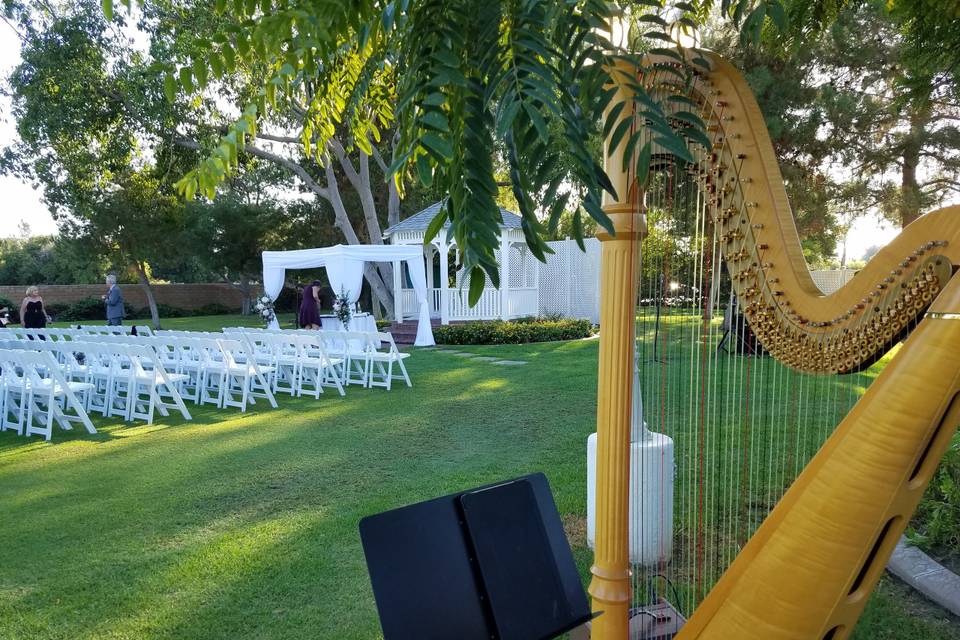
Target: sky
(20, 203)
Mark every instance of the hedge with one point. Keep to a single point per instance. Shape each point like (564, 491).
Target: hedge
(93, 309)
(936, 525)
(512, 332)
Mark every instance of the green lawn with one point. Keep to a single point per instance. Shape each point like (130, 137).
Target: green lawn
(245, 526)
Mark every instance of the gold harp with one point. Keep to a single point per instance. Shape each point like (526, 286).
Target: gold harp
(806, 572)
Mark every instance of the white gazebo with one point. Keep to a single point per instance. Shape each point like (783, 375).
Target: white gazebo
(519, 273)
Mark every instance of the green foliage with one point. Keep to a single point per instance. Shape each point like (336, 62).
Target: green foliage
(85, 309)
(513, 331)
(937, 521)
(47, 260)
(462, 82)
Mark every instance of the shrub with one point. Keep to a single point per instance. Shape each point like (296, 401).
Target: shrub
(213, 309)
(512, 332)
(937, 521)
(384, 324)
(85, 309)
(14, 308)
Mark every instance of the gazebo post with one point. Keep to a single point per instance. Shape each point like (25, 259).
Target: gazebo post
(444, 278)
(504, 273)
(397, 293)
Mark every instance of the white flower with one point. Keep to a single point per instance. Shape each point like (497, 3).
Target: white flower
(265, 313)
(265, 299)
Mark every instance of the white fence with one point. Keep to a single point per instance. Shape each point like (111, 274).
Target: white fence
(570, 280)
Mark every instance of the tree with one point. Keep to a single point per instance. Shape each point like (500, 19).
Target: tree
(87, 109)
(132, 226)
(229, 236)
(893, 117)
(46, 260)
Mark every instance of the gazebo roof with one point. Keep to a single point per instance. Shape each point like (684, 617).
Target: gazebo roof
(421, 220)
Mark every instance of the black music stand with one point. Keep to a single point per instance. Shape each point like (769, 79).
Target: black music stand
(488, 564)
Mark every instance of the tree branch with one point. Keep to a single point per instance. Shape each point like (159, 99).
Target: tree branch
(292, 166)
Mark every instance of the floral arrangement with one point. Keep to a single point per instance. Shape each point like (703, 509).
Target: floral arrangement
(341, 308)
(264, 307)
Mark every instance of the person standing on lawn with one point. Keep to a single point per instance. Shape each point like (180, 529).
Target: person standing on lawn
(32, 313)
(113, 301)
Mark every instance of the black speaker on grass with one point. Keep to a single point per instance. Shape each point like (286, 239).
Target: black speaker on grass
(491, 563)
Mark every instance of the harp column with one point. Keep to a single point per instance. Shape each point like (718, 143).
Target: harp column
(610, 587)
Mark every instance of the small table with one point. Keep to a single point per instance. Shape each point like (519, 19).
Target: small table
(359, 322)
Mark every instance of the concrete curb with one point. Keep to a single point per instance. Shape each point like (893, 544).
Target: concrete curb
(926, 575)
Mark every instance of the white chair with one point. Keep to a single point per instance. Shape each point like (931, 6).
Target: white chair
(284, 352)
(244, 376)
(317, 368)
(189, 364)
(36, 380)
(153, 388)
(349, 349)
(382, 362)
(13, 382)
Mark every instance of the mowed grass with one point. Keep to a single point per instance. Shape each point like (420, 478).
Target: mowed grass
(245, 526)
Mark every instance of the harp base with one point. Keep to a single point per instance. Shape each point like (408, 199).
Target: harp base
(660, 621)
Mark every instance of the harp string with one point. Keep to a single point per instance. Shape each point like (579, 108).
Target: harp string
(743, 425)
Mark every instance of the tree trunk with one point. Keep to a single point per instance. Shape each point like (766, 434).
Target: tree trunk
(148, 292)
(244, 288)
(911, 201)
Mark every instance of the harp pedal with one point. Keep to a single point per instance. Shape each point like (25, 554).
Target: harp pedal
(660, 621)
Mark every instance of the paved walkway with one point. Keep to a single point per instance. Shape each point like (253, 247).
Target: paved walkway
(502, 362)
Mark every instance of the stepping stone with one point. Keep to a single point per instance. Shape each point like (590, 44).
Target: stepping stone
(486, 359)
(461, 354)
(509, 363)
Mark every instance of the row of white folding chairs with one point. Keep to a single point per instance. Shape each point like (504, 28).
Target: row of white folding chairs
(113, 329)
(73, 333)
(41, 334)
(211, 370)
(124, 380)
(368, 358)
(35, 395)
(205, 373)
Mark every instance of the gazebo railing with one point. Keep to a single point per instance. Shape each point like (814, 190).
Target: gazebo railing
(522, 301)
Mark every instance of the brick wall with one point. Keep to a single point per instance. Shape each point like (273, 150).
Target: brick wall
(185, 296)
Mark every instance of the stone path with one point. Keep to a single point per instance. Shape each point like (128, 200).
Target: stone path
(479, 358)
(926, 575)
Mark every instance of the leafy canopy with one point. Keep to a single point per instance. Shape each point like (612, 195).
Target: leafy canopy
(463, 82)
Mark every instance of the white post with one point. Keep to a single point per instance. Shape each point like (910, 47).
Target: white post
(567, 259)
(444, 278)
(504, 274)
(397, 293)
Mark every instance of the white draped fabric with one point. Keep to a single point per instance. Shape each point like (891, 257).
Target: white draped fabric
(344, 265)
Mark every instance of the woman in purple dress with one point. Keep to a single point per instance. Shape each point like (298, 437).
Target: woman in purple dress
(310, 306)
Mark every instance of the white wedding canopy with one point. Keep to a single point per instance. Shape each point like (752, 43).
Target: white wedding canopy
(344, 265)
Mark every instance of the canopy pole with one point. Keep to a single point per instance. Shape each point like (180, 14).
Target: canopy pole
(397, 293)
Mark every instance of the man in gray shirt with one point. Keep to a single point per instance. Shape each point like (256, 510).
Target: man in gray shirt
(113, 301)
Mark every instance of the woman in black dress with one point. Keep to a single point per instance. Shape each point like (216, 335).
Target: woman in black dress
(32, 313)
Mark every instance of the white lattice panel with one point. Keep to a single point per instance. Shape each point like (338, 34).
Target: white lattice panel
(829, 280)
(570, 280)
